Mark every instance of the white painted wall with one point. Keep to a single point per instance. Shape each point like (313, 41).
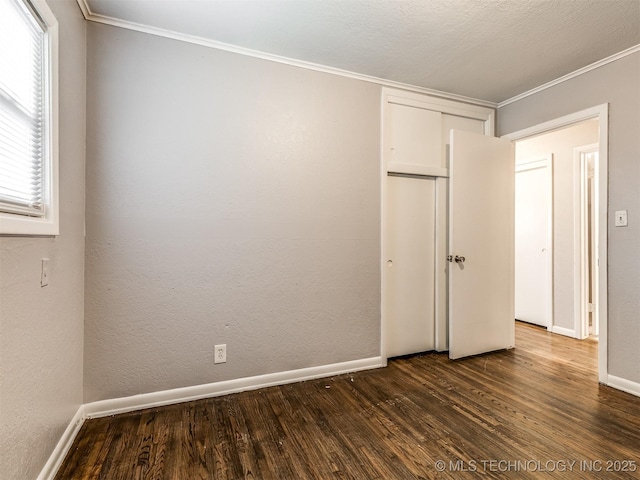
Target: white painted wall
(229, 200)
(617, 84)
(41, 329)
(561, 143)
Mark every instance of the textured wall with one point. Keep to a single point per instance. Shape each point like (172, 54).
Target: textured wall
(561, 143)
(41, 329)
(617, 84)
(229, 200)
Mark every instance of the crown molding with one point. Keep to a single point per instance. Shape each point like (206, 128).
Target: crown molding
(84, 8)
(92, 17)
(569, 76)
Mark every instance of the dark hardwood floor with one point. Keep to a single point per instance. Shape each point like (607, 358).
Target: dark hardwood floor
(536, 411)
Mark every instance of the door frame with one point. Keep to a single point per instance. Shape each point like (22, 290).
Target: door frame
(581, 260)
(391, 96)
(545, 161)
(600, 112)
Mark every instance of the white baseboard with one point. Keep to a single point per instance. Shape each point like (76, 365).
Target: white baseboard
(167, 397)
(114, 406)
(567, 332)
(64, 444)
(624, 385)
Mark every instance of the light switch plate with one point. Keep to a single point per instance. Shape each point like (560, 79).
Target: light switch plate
(44, 273)
(621, 218)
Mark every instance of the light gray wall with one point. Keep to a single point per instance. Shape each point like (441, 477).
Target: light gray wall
(41, 329)
(229, 200)
(561, 144)
(618, 84)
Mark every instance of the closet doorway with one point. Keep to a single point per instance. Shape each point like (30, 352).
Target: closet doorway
(416, 135)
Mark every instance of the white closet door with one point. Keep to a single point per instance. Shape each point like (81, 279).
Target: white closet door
(533, 242)
(410, 265)
(413, 139)
(415, 134)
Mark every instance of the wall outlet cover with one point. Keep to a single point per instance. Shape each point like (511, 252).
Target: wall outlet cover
(220, 353)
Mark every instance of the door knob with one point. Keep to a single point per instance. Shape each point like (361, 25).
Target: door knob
(459, 259)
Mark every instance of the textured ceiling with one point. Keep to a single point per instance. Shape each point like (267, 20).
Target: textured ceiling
(485, 49)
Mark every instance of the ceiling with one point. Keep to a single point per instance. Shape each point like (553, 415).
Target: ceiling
(485, 49)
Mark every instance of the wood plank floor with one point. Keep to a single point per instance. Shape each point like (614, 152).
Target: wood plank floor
(525, 413)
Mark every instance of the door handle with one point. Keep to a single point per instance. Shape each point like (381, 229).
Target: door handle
(459, 259)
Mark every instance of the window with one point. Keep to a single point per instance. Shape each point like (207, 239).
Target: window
(28, 118)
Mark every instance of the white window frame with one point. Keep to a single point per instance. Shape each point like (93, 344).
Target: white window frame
(16, 224)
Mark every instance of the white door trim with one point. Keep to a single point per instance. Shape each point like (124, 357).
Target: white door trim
(580, 278)
(545, 161)
(601, 112)
(442, 281)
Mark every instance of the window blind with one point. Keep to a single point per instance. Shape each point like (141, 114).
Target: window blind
(23, 111)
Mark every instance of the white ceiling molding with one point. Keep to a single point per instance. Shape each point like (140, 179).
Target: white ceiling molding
(475, 66)
(90, 16)
(86, 11)
(569, 76)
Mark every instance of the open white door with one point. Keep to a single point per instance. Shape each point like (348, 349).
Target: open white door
(481, 244)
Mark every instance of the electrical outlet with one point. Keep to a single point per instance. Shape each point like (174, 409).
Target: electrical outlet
(220, 353)
(44, 273)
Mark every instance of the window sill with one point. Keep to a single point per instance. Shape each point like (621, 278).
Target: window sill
(11, 224)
